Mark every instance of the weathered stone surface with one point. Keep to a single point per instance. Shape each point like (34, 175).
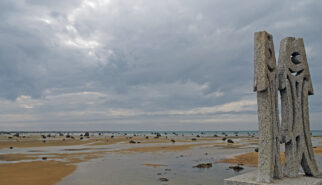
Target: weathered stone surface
(295, 85)
(265, 83)
(250, 179)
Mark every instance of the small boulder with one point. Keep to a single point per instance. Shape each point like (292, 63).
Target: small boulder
(163, 179)
(132, 142)
(203, 165)
(256, 149)
(236, 168)
(230, 141)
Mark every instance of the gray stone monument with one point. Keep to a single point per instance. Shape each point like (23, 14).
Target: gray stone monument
(292, 79)
(265, 84)
(295, 85)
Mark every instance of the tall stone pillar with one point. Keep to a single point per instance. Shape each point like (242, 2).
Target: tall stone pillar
(265, 84)
(295, 86)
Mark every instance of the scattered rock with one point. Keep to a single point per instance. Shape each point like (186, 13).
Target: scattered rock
(164, 179)
(256, 149)
(236, 168)
(167, 169)
(230, 141)
(132, 142)
(159, 173)
(203, 165)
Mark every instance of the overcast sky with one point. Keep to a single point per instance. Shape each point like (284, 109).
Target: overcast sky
(143, 64)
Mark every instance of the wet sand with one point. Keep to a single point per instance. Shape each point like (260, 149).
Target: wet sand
(35, 162)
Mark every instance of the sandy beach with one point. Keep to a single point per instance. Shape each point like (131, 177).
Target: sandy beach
(126, 159)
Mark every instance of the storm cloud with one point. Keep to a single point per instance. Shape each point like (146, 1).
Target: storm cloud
(142, 64)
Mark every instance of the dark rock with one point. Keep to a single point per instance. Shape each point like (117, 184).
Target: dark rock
(81, 138)
(112, 136)
(173, 141)
(44, 141)
(44, 158)
(159, 173)
(230, 141)
(164, 179)
(11, 147)
(167, 170)
(9, 137)
(256, 149)
(236, 168)
(132, 142)
(16, 135)
(193, 139)
(203, 165)
(86, 134)
(197, 136)
(215, 135)
(224, 138)
(146, 137)
(43, 136)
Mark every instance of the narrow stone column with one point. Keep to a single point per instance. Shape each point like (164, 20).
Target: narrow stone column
(295, 86)
(265, 84)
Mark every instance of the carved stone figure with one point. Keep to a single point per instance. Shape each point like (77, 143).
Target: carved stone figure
(295, 85)
(265, 84)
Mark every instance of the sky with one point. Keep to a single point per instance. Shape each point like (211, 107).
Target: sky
(143, 64)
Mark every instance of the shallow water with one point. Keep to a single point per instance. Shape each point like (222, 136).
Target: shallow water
(128, 169)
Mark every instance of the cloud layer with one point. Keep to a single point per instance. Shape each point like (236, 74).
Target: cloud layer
(142, 65)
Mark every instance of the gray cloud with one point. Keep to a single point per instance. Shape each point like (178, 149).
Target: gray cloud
(106, 64)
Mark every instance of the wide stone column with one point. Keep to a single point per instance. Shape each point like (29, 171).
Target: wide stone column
(295, 85)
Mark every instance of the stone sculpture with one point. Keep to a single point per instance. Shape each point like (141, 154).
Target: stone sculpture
(265, 83)
(292, 78)
(295, 85)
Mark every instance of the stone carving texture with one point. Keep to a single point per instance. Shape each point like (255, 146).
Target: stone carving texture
(295, 85)
(265, 84)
